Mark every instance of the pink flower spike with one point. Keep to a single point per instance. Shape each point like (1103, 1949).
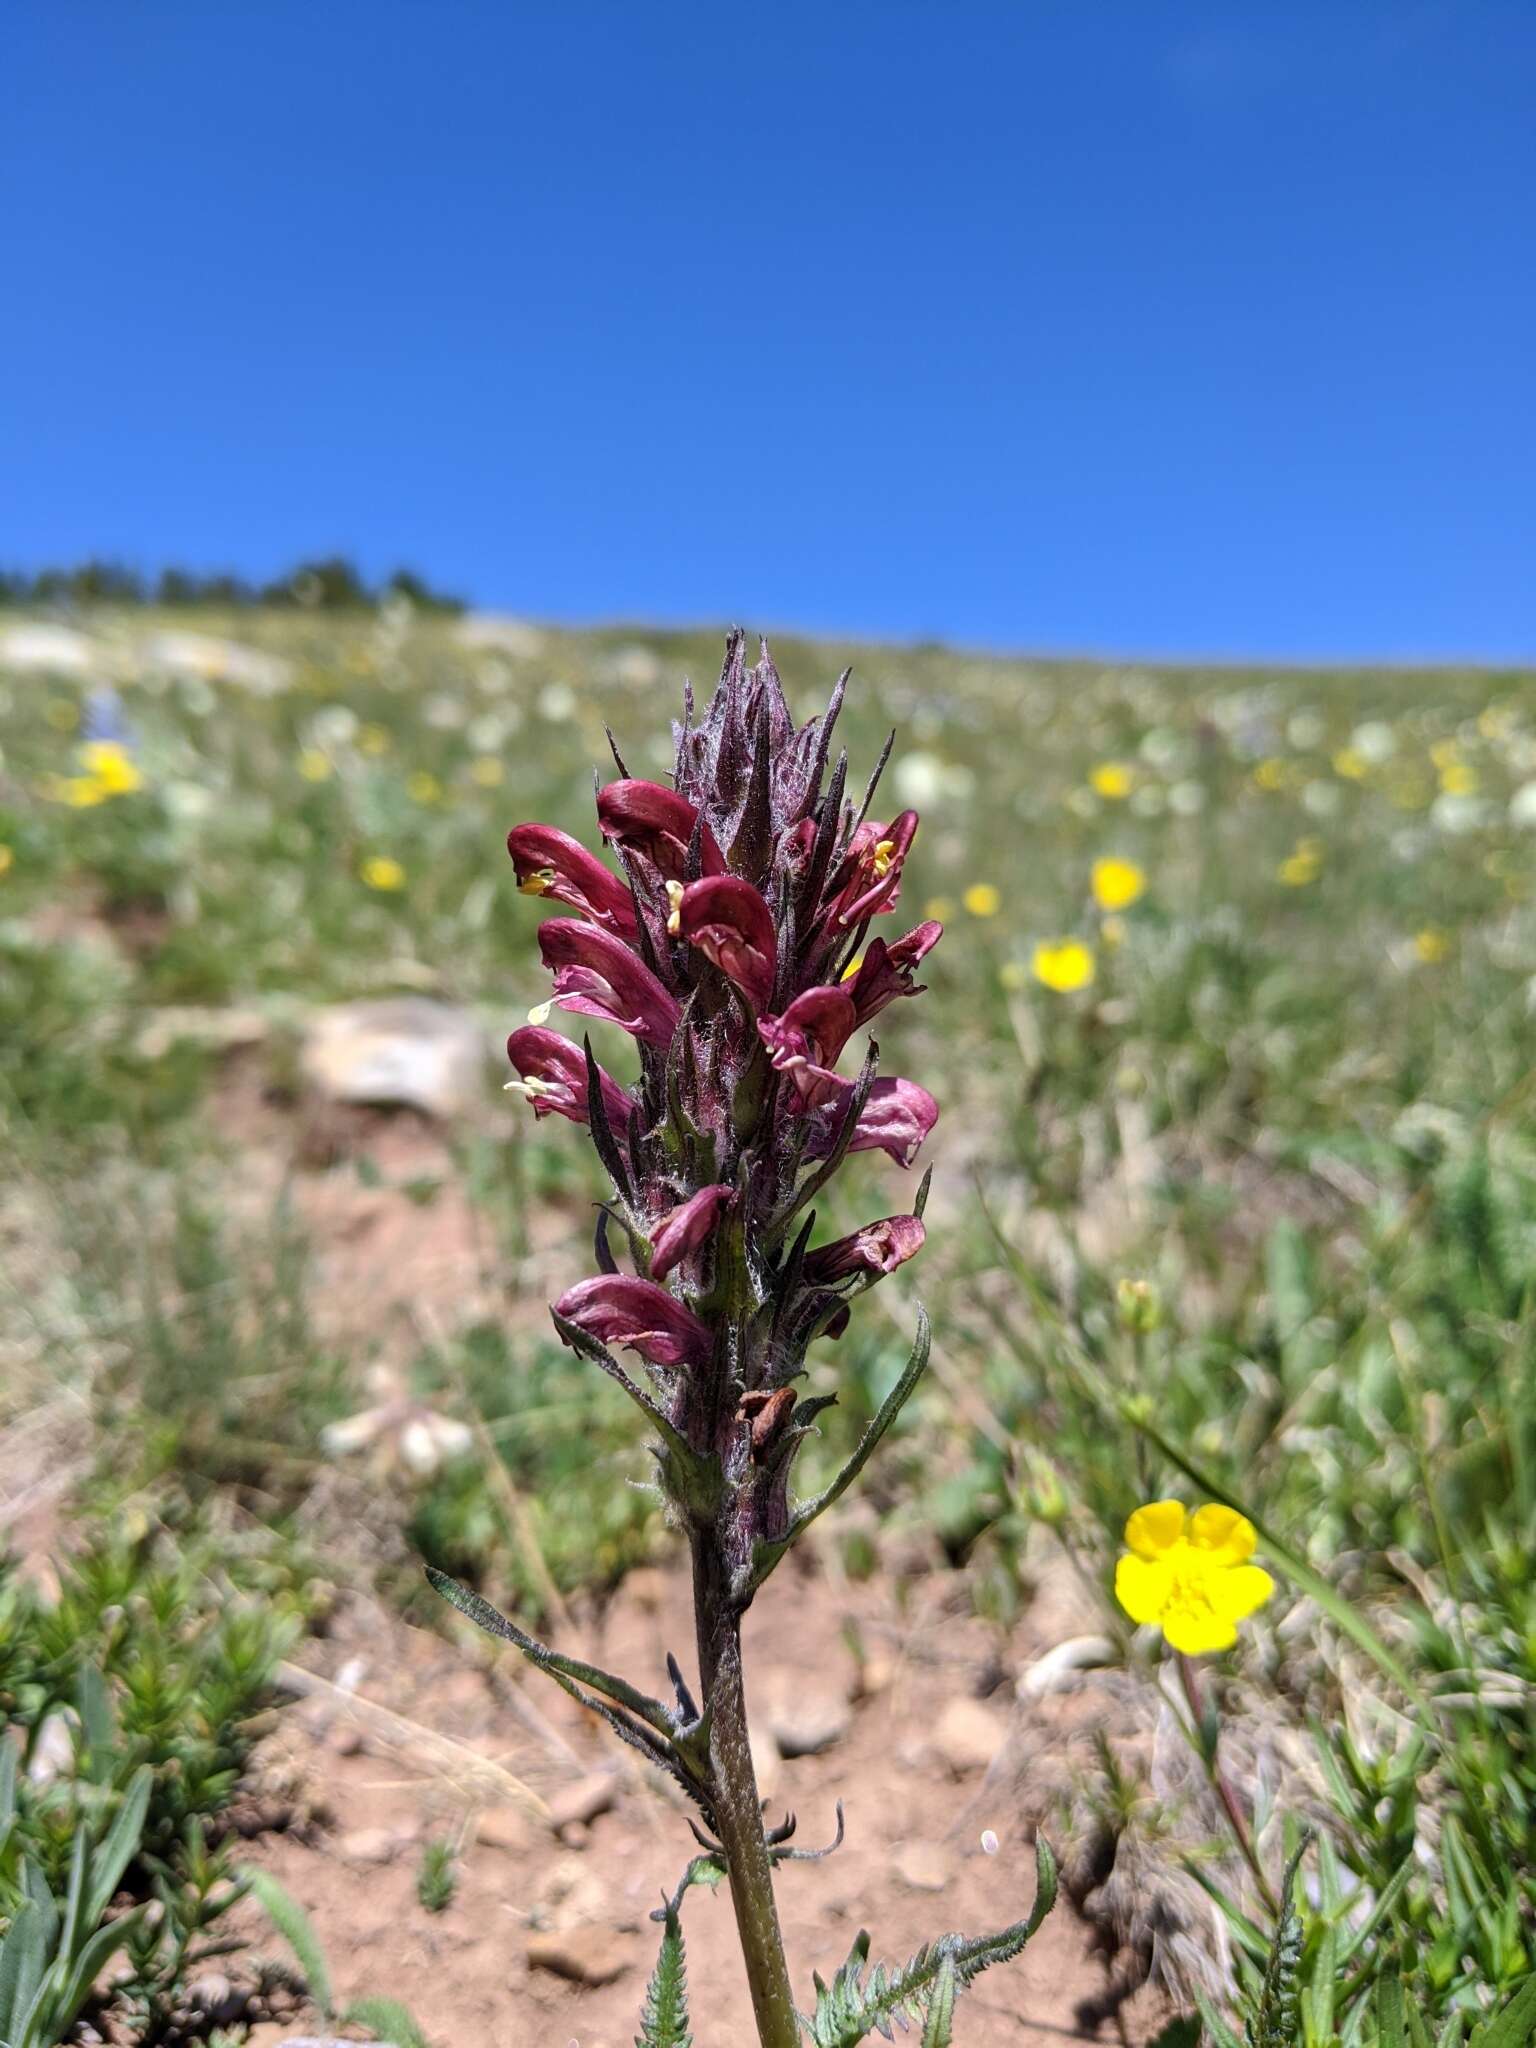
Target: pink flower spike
(596, 975)
(617, 1309)
(554, 1079)
(806, 1039)
(730, 924)
(886, 971)
(656, 822)
(877, 1248)
(870, 876)
(683, 1229)
(551, 863)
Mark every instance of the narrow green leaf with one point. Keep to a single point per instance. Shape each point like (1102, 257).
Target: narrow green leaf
(1512, 2026)
(297, 1929)
(386, 2020)
(120, 1846)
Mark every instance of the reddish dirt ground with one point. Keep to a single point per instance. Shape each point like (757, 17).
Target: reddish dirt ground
(911, 1765)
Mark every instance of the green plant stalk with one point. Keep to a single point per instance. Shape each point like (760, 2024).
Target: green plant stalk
(738, 1809)
(1221, 1785)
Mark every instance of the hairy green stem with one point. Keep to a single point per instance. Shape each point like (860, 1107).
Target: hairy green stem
(738, 1809)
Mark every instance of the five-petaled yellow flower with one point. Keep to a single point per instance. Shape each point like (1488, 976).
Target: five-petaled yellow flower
(380, 872)
(112, 767)
(1064, 965)
(1190, 1575)
(1117, 883)
(1111, 779)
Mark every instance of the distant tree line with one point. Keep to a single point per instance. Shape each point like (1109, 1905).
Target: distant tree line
(331, 585)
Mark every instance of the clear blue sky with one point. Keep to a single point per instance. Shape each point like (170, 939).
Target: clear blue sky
(1142, 327)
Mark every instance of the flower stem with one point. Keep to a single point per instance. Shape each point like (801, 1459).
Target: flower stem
(738, 1809)
(1221, 1785)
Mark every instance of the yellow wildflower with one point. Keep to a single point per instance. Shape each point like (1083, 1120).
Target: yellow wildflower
(486, 770)
(1064, 965)
(423, 788)
(112, 766)
(1431, 945)
(1458, 778)
(1301, 867)
(7, 859)
(982, 900)
(1111, 779)
(1190, 1575)
(80, 792)
(1117, 883)
(374, 740)
(1271, 774)
(380, 872)
(1351, 764)
(314, 765)
(1445, 753)
(939, 907)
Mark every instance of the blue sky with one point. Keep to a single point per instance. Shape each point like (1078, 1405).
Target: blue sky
(1137, 328)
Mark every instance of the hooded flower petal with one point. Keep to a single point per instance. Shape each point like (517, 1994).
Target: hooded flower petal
(649, 819)
(877, 1248)
(683, 1229)
(727, 920)
(550, 863)
(597, 975)
(554, 1079)
(807, 1038)
(886, 972)
(896, 1118)
(869, 880)
(619, 1310)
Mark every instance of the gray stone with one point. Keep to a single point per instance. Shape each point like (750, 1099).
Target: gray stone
(582, 1955)
(370, 1845)
(574, 1805)
(923, 1866)
(967, 1735)
(403, 1051)
(806, 1719)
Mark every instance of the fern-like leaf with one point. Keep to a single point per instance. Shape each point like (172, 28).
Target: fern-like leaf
(664, 2022)
(1274, 2014)
(854, 2006)
(939, 2027)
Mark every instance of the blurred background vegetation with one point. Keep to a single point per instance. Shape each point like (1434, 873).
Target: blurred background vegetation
(1235, 1194)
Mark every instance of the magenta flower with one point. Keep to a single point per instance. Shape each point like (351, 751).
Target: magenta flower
(597, 975)
(806, 1040)
(896, 1119)
(729, 923)
(878, 1248)
(554, 1079)
(619, 1310)
(656, 823)
(869, 880)
(886, 972)
(550, 863)
(684, 1229)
